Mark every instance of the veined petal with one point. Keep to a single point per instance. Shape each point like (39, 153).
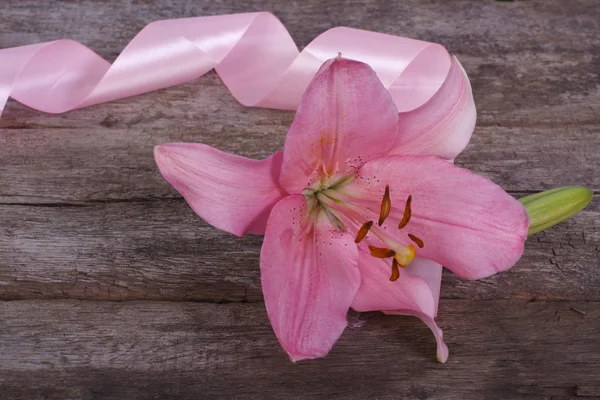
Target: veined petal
(230, 192)
(377, 292)
(309, 277)
(443, 126)
(409, 295)
(345, 118)
(468, 224)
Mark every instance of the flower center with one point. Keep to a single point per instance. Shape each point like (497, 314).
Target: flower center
(347, 213)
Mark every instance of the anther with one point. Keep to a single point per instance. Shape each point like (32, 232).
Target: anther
(381, 252)
(386, 205)
(407, 213)
(395, 271)
(362, 232)
(417, 240)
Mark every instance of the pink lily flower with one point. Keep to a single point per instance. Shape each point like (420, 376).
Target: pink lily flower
(361, 208)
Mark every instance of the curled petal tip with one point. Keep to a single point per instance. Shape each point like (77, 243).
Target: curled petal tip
(442, 352)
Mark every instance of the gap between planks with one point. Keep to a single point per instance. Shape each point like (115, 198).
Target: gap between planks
(53, 202)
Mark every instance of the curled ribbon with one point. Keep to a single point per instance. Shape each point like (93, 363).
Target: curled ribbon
(253, 54)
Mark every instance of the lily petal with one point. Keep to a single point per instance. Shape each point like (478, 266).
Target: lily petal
(409, 295)
(443, 126)
(232, 193)
(345, 118)
(309, 277)
(468, 223)
(377, 292)
(431, 272)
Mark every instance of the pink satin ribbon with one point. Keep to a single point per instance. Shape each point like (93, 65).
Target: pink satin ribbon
(253, 54)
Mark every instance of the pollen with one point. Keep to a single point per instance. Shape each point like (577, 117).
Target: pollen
(381, 252)
(362, 232)
(386, 205)
(407, 213)
(417, 240)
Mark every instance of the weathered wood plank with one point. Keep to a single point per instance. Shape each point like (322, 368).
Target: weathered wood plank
(123, 251)
(139, 350)
(85, 215)
(538, 99)
(70, 165)
(160, 250)
(506, 24)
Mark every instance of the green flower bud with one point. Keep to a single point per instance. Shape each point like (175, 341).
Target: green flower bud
(548, 208)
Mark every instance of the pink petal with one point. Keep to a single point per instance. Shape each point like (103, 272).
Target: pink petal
(468, 223)
(345, 118)
(377, 292)
(443, 126)
(409, 295)
(230, 192)
(309, 277)
(431, 272)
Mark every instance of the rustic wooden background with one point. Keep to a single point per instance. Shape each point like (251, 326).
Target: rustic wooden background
(111, 288)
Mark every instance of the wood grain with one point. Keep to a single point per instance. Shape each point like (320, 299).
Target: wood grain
(160, 250)
(534, 70)
(171, 308)
(139, 350)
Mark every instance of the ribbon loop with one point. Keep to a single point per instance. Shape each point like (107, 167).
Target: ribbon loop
(253, 54)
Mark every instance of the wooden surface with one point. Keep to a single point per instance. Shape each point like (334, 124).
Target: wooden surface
(111, 287)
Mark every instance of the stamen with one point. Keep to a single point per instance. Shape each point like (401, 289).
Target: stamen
(395, 271)
(386, 205)
(362, 232)
(417, 240)
(407, 213)
(381, 252)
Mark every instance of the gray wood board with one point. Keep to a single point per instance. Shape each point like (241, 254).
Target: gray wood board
(160, 250)
(134, 350)
(85, 215)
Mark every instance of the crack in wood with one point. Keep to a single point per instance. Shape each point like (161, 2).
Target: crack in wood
(95, 202)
